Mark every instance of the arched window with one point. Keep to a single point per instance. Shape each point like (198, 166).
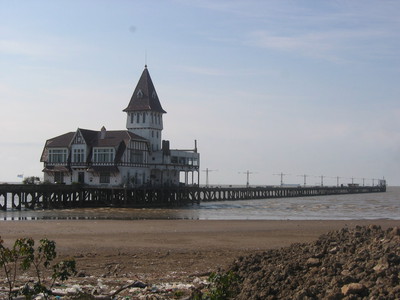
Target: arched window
(139, 94)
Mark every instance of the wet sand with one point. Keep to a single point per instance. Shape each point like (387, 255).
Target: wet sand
(165, 249)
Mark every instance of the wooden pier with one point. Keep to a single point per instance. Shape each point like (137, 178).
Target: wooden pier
(70, 196)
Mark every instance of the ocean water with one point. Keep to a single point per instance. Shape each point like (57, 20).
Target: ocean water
(334, 207)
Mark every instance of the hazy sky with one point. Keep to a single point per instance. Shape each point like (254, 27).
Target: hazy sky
(299, 87)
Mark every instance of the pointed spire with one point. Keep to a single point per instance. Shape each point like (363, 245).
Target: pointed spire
(145, 97)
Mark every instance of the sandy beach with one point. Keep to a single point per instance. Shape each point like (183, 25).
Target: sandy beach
(168, 249)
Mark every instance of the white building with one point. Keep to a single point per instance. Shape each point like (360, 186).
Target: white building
(133, 157)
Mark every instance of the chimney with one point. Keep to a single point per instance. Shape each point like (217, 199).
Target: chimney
(103, 133)
(165, 148)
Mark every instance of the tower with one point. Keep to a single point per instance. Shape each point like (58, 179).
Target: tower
(144, 112)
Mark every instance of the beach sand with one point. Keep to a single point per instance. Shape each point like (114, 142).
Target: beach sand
(166, 250)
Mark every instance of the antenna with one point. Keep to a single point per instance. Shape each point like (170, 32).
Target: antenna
(305, 178)
(322, 180)
(337, 180)
(248, 177)
(281, 174)
(207, 171)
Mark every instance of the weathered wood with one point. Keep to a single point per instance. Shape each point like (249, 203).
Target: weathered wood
(71, 196)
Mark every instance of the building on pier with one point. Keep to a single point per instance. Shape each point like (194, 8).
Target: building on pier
(132, 157)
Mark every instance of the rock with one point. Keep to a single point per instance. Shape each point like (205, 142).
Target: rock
(395, 231)
(313, 262)
(354, 289)
(350, 263)
(333, 250)
(380, 268)
(81, 274)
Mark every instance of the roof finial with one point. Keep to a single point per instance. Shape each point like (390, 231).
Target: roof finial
(145, 59)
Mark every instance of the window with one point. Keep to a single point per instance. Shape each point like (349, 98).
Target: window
(132, 117)
(136, 156)
(58, 177)
(103, 155)
(105, 177)
(144, 118)
(137, 118)
(152, 133)
(78, 155)
(152, 118)
(139, 94)
(81, 177)
(58, 155)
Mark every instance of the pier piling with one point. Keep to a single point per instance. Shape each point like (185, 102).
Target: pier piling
(65, 196)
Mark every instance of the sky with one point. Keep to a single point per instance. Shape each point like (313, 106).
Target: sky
(265, 87)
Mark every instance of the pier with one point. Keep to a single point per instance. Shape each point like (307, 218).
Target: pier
(74, 196)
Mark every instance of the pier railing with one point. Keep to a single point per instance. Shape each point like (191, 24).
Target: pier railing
(73, 196)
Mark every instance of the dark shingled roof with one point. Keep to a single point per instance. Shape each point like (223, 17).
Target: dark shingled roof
(89, 135)
(114, 137)
(119, 139)
(60, 141)
(92, 138)
(145, 97)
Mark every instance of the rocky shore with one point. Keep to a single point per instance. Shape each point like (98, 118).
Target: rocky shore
(359, 263)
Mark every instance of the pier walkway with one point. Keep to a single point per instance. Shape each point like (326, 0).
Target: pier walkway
(19, 197)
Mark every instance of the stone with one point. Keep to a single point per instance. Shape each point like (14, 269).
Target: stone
(381, 267)
(395, 231)
(313, 262)
(354, 289)
(364, 264)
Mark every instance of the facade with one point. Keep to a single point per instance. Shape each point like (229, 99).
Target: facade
(133, 157)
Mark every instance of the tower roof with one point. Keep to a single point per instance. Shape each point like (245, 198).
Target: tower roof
(145, 97)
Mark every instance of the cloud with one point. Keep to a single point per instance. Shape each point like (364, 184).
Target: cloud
(204, 71)
(15, 47)
(332, 45)
(42, 47)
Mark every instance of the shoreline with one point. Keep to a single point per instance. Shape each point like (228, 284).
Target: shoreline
(169, 249)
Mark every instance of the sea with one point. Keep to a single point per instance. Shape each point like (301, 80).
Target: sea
(370, 206)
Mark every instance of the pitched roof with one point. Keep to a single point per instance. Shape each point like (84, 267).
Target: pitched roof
(60, 141)
(113, 138)
(89, 135)
(145, 97)
(93, 138)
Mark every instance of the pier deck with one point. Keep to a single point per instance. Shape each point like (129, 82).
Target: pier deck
(69, 196)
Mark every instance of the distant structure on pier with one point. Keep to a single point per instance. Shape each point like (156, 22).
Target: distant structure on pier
(133, 157)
